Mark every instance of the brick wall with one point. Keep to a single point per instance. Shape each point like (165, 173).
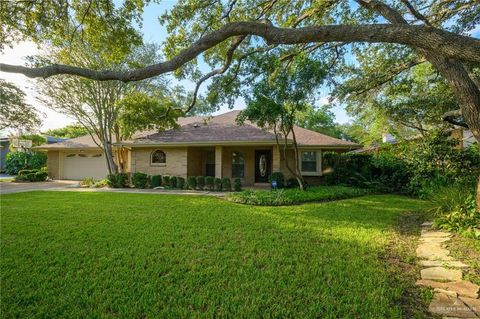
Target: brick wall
(176, 162)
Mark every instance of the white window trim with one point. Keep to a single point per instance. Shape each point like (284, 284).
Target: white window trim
(318, 172)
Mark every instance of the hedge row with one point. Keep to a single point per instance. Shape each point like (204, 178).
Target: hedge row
(142, 180)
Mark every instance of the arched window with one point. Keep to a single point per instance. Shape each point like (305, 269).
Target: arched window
(158, 158)
(238, 165)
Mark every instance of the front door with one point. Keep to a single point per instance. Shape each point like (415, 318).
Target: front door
(263, 165)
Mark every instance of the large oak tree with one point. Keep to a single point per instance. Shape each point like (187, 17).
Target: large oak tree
(229, 33)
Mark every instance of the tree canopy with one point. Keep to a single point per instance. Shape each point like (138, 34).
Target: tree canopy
(15, 112)
(389, 36)
(69, 131)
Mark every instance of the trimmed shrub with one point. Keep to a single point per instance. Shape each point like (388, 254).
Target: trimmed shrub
(210, 182)
(191, 182)
(237, 184)
(218, 184)
(156, 180)
(101, 183)
(31, 175)
(17, 161)
(87, 181)
(180, 182)
(41, 176)
(119, 180)
(278, 177)
(166, 180)
(292, 183)
(226, 184)
(140, 180)
(173, 181)
(200, 182)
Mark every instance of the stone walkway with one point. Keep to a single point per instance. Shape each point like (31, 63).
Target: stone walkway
(453, 297)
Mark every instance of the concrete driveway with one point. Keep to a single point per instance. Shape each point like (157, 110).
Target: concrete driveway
(10, 187)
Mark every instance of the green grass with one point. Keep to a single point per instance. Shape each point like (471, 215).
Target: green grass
(284, 197)
(110, 255)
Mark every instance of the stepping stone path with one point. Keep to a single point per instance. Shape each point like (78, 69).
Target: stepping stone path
(453, 297)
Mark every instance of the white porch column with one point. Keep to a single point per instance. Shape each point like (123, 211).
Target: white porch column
(218, 161)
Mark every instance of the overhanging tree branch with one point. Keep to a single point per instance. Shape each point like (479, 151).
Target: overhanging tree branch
(441, 42)
(454, 117)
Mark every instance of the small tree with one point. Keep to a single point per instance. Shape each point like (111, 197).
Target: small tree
(279, 101)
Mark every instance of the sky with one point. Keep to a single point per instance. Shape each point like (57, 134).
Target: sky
(152, 32)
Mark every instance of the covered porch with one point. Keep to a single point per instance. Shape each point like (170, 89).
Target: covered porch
(252, 164)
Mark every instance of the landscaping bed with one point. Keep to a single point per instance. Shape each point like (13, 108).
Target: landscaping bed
(110, 255)
(294, 196)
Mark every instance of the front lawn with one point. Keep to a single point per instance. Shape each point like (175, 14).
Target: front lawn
(294, 196)
(111, 255)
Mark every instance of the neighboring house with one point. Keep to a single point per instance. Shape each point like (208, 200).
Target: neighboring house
(5, 146)
(4, 150)
(201, 146)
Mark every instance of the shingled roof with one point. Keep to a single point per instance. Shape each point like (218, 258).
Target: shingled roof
(220, 129)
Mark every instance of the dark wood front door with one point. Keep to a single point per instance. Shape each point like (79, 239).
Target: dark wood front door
(263, 165)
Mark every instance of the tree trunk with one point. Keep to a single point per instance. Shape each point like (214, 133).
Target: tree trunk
(477, 197)
(298, 177)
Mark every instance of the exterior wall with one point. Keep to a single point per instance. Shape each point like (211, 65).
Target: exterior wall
(290, 158)
(310, 180)
(196, 161)
(176, 162)
(4, 150)
(53, 164)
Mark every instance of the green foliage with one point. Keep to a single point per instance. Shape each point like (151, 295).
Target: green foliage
(119, 180)
(455, 209)
(142, 111)
(107, 25)
(382, 172)
(320, 119)
(283, 197)
(237, 184)
(218, 184)
(292, 183)
(210, 182)
(140, 180)
(91, 182)
(156, 180)
(166, 180)
(200, 182)
(15, 113)
(87, 182)
(278, 177)
(191, 182)
(226, 184)
(435, 162)
(101, 183)
(32, 175)
(69, 131)
(412, 103)
(180, 182)
(173, 181)
(16, 161)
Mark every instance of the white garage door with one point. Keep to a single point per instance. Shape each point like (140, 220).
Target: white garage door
(78, 166)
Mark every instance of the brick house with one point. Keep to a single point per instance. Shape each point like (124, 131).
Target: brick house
(201, 146)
